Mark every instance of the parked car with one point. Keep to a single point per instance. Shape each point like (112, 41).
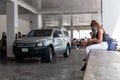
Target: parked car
(44, 43)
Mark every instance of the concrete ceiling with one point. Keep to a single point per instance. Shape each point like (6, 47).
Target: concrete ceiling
(59, 5)
(84, 10)
(66, 4)
(2, 6)
(80, 4)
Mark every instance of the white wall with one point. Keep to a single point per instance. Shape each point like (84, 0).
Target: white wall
(2, 24)
(24, 24)
(36, 21)
(111, 18)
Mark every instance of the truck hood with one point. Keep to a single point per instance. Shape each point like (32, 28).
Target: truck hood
(31, 39)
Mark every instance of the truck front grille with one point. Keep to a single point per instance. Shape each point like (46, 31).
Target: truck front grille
(26, 44)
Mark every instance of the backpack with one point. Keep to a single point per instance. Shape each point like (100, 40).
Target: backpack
(112, 44)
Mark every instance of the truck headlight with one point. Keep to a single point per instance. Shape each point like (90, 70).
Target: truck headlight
(40, 42)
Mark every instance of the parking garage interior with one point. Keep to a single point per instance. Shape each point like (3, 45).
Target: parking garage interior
(75, 15)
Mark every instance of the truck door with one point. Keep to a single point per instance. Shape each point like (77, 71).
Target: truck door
(58, 40)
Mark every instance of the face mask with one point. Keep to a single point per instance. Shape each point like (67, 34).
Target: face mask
(4, 34)
(94, 29)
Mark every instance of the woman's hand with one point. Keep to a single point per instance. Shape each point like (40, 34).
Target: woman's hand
(91, 41)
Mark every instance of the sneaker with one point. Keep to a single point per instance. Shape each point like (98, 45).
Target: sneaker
(84, 59)
(83, 68)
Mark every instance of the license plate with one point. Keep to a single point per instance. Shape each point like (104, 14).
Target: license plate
(24, 49)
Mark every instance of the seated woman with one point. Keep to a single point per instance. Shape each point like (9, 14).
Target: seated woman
(98, 42)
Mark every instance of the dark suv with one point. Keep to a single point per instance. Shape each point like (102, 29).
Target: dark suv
(44, 43)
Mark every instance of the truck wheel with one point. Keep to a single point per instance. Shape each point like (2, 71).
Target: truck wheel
(43, 58)
(48, 56)
(67, 53)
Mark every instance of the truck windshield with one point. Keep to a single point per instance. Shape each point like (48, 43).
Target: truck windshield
(39, 33)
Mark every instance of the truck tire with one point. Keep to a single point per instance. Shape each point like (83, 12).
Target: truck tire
(48, 56)
(67, 53)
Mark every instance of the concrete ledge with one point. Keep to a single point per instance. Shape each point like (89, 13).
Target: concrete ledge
(103, 65)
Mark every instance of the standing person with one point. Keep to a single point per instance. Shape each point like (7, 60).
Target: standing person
(96, 42)
(0, 49)
(19, 35)
(4, 45)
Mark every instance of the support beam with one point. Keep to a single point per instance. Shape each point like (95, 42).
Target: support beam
(71, 26)
(12, 25)
(43, 21)
(68, 11)
(99, 18)
(60, 20)
(26, 6)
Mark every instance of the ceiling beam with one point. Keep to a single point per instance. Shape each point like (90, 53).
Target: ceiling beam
(26, 6)
(68, 11)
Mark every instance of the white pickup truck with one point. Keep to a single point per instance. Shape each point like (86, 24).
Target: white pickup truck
(44, 43)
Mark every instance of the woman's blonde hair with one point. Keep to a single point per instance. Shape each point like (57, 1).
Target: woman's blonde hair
(94, 23)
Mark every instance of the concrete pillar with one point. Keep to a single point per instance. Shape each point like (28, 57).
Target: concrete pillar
(71, 26)
(79, 33)
(36, 21)
(12, 25)
(99, 18)
(43, 20)
(40, 21)
(99, 12)
(60, 20)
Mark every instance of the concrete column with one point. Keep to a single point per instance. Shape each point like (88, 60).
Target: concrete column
(99, 18)
(12, 25)
(60, 20)
(43, 21)
(79, 33)
(71, 26)
(40, 21)
(99, 12)
(36, 21)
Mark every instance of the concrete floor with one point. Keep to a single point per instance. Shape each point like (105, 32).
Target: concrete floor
(31, 69)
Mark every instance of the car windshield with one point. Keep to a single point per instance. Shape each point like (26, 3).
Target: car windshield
(39, 33)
